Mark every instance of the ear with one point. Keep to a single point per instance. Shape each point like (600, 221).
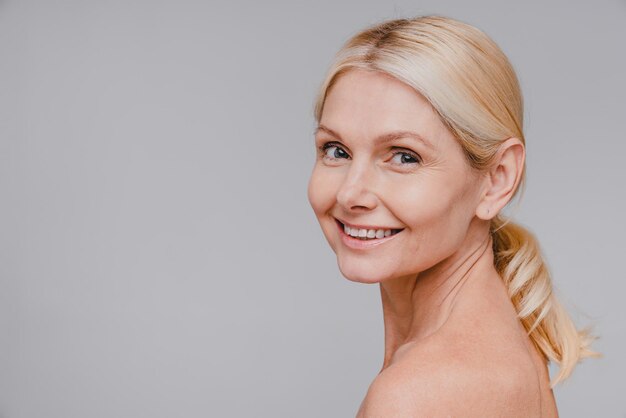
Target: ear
(502, 179)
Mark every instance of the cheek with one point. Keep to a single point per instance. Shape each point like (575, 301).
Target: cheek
(437, 212)
(420, 204)
(321, 191)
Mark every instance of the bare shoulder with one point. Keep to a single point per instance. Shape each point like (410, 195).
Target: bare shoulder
(435, 381)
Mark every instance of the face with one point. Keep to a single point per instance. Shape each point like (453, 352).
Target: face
(385, 161)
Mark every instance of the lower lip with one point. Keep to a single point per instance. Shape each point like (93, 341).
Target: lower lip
(361, 244)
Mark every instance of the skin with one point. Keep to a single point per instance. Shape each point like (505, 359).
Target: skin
(453, 344)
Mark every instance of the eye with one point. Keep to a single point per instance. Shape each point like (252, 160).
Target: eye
(406, 158)
(333, 151)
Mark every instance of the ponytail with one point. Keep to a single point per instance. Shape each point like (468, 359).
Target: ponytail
(519, 262)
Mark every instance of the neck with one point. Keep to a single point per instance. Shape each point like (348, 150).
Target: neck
(416, 306)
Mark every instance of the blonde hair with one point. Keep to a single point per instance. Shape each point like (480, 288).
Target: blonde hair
(472, 86)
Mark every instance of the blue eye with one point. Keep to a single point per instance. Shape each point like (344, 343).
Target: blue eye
(333, 151)
(406, 158)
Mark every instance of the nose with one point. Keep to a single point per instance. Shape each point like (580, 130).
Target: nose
(356, 191)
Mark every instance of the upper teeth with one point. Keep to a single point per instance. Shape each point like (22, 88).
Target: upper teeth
(366, 233)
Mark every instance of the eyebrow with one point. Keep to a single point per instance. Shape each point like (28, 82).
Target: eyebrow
(382, 139)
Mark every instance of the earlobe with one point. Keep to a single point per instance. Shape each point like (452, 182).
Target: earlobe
(502, 179)
(485, 214)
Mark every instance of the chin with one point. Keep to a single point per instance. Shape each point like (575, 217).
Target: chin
(362, 274)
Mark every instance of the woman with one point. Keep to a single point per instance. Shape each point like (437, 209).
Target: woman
(420, 146)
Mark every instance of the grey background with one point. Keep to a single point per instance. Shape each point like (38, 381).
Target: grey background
(158, 255)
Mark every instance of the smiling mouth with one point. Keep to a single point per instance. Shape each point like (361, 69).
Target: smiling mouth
(366, 234)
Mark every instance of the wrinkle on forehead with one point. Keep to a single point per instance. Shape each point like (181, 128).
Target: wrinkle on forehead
(366, 105)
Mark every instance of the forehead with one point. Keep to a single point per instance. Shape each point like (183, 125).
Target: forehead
(368, 104)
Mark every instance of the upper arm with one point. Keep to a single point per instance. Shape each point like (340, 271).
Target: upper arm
(449, 392)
